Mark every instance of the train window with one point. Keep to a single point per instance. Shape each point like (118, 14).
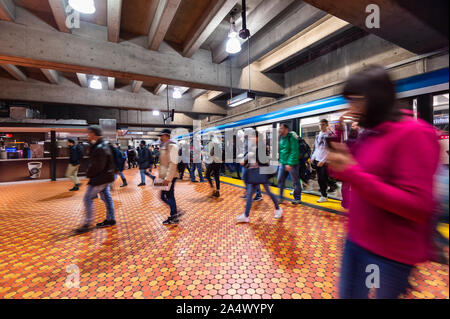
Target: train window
(440, 112)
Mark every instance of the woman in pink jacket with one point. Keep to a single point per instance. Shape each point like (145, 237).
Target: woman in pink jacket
(390, 170)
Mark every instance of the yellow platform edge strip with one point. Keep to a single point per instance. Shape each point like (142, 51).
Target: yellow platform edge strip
(307, 198)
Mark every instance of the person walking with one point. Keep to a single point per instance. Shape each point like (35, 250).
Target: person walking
(75, 156)
(119, 160)
(196, 164)
(390, 170)
(254, 177)
(168, 173)
(319, 158)
(289, 160)
(144, 159)
(101, 174)
(258, 195)
(216, 154)
(131, 156)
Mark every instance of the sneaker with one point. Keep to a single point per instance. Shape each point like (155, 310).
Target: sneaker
(106, 223)
(79, 185)
(216, 194)
(297, 202)
(332, 189)
(194, 181)
(141, 184)
(322, 199)
(74, 189)
(257, 199)
(278, 213)
(124, 185)
(244, 196)
(83, 229)
(291, 193)
(171, 221)
(242, 219)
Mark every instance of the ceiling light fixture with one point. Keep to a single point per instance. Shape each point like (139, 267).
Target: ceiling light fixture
(177, 93)
(95, 84)
(233, 43)
(156, 113)
(241, 99)
(83, 6)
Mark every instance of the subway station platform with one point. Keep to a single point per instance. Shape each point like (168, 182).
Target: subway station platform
(207, 255)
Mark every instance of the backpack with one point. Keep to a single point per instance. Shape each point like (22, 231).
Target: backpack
(304, 151)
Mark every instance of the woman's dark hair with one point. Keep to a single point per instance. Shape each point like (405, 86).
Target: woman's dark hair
(379, 92)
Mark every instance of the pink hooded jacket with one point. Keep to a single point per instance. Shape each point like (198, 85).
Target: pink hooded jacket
(391, 198)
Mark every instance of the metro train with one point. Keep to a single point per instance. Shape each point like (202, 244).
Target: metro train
(304, 118)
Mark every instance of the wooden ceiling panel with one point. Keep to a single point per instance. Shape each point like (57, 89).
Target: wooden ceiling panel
(40, 8)
(4, 74)
(137, 16)
(186, 18)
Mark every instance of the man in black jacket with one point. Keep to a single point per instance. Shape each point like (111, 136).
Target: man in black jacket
(74, 164)
(144, 160)
(101, 174)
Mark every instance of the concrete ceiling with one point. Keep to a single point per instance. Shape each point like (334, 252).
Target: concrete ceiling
(138, 47)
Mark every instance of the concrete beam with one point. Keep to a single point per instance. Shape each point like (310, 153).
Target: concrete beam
(69, 93)
(163, 19)
(111, 83)
(7, 10)
(47, 49)
(195, 93)
(136, 86)
(316, 32)
(415, 26)
(14, 72)
(291, 22)
(82, 78)
(213, 16)
(256, 20)
(114, 14)
(51, 75)
(59, 13)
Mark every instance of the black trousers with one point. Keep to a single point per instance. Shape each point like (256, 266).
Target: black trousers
(322, 178)
(181, 169)
(214, 169)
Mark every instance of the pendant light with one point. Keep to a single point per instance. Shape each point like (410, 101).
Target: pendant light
(83, 6)
(233, 43)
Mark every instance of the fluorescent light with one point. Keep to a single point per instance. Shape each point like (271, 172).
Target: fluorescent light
(177, 94)
(155, 113)
(83, 6)
(233, 44)
(95, 84)
(241, 99)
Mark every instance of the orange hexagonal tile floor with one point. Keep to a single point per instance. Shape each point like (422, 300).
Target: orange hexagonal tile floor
(206, 256)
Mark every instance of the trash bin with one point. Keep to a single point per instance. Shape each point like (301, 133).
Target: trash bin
(35, 169)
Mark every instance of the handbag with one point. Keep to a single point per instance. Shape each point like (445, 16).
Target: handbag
(253, 176)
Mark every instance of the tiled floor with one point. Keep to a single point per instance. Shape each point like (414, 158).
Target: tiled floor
(206, 256)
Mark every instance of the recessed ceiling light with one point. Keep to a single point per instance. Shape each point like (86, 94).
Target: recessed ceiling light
(95, 84)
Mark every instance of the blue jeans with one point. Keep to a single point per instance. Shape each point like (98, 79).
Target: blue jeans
(251, 189)
(258, 188)
(393, 275)
(143, 173)
(168, 197)
(192, 168)
(282, 175)
(105, 195)
(122, 176)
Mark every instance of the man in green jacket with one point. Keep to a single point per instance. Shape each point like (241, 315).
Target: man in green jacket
(289, 160)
